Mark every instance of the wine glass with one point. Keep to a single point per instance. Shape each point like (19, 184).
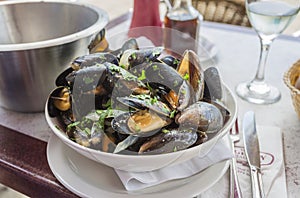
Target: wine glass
(269, 18)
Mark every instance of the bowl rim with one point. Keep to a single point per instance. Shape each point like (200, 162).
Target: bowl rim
(96, 27)
(219, 135)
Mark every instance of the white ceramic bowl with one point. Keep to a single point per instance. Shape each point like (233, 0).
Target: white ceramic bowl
(141, 163)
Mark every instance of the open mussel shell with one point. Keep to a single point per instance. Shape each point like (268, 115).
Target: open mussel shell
(59, 108)
(98, 40)
(142, 123)
(190, 69)
(59, 100)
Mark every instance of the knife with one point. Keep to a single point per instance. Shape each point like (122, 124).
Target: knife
(253, 153)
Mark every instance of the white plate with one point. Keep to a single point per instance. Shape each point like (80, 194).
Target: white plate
(87, 178)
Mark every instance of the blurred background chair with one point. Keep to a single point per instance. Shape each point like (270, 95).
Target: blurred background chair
(223, 11)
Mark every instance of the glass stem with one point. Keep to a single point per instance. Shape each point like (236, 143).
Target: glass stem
(265, 45)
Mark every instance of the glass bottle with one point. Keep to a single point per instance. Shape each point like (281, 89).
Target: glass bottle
(145, 13)
(182, 24)
(146, 21)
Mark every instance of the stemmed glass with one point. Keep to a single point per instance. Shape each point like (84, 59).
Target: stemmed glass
(269, 18)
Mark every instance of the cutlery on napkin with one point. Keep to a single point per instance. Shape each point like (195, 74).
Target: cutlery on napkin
(272, 167)
(133, 181)
(272, 163)
(252, 151)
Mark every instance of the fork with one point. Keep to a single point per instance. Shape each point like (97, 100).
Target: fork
(235, 190)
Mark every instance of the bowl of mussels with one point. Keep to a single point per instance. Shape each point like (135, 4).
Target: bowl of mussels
(140, 109)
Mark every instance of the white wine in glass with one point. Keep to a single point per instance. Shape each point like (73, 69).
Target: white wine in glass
(269, 18)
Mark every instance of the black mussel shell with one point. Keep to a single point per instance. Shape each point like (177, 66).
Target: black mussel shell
(170, 141)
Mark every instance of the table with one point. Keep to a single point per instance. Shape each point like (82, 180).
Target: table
(23, 137)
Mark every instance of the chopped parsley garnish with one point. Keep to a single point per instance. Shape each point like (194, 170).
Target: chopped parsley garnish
(186, 76)
(165, 130)
(133, 55)
(175, 149)
(155, 67)
(183, 91)
(115, 68)
(123, 66)
(143, 75)
(176, 61)
(102, 115)
(161, 76)
(87, 131)
(88, 80)
(107, 105)
(137, 128)
(153, 100)
(172, 114)
(74, 124)
(176, 83)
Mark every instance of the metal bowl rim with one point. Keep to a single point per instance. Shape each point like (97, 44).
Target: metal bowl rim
(94, 28)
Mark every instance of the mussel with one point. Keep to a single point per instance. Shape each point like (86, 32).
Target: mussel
(213, 85)
(171, 61)
(134, 101)
(59, 101)
(202, 116)
(148, 117)
(142, 123)
(93, 59)
(128, 44)
(169, 141)
(189, 68)
(180, 92)
(99, 43)
(131, 58)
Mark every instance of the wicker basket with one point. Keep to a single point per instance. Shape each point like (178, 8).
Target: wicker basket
(223, 11)
(290, 78)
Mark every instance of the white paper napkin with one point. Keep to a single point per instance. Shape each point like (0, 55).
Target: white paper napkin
(136, 181)
(272, 164)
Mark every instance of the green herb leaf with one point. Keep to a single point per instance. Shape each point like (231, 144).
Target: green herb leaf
(172, 114)
(155, 67)
(175, 149)
(143, 75)
(88, 80)
(186, 76)
(165, 130)
(72, 125)
(133, 55)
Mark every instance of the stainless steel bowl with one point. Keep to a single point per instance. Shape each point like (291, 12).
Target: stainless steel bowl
(38, 40)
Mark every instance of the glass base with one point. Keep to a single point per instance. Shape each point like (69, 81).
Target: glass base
(258, 93)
